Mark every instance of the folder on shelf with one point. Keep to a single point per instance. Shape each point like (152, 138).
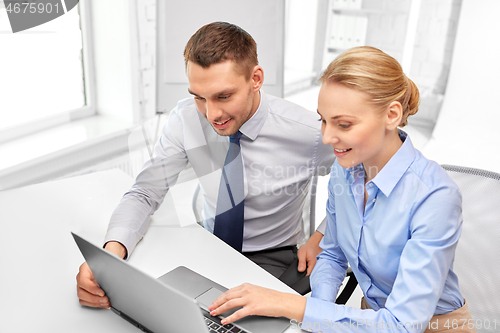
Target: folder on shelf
(346, 4)
(347, 31)
(360, 28)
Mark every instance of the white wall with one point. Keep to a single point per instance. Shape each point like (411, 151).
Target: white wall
(300, 33)
(179, 20)
(466, 132)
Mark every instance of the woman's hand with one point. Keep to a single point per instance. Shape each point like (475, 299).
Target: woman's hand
(256, 300)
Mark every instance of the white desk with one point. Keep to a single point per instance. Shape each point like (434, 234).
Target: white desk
(39, 259)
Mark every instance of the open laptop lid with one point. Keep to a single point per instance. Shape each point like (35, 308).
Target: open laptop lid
(139, 298)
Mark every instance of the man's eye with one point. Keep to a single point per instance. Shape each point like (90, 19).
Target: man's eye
(198, 98)
(224, 97)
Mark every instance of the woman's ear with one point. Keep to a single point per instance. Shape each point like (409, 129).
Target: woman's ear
(394, 115)
(257, 78)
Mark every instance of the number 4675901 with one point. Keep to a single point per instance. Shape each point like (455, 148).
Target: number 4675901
(470, 324)
(27, 7)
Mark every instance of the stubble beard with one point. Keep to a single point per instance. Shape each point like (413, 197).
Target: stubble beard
(238, 126)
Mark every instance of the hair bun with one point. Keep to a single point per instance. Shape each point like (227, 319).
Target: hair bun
(412, 102)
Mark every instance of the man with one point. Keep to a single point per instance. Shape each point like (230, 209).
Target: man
(276, 144)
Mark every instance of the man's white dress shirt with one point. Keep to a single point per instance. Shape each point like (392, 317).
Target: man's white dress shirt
(281, 148)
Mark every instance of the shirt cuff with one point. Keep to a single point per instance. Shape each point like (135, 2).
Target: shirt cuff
(125, 237)
(318, 315)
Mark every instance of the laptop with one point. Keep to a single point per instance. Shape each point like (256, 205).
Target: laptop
(176, 302)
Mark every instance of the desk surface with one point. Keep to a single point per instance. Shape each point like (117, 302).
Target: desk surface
(39, 259)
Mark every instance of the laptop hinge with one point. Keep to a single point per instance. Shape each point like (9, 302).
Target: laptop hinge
(130, 320)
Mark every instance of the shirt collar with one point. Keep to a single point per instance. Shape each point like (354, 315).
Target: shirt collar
(355, 172)
(251, 128)
(394, 170)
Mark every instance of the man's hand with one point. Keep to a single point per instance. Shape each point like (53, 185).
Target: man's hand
(308, 252)
(261, 301)
(87, 289)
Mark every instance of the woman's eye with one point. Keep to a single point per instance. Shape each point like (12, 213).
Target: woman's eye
(344, 126)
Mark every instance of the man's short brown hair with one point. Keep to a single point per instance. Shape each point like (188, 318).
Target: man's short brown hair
(220, 41)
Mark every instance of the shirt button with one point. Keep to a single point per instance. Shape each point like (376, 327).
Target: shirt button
(367, 279)
(374, 200)
(371, 184)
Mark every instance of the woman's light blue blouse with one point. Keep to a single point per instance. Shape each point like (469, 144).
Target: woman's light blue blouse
(400, 245)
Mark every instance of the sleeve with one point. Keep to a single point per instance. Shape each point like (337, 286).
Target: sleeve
(322, 227)
(323, 157)
(427, 257)
(130, 220)
(424, 266)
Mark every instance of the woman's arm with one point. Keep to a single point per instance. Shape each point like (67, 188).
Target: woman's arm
(424, 266)
(256, 300)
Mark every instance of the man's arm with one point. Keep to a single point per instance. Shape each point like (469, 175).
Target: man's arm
(88, 291)
(130, 219)
(308, 252)
(116, 248)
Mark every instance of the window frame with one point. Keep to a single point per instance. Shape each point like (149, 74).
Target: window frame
(63, 117)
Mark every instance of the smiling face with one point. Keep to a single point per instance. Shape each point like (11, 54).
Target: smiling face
(223, 95)
(359, 131)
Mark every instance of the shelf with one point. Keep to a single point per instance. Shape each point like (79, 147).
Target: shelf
(363, 11)
(337, 49)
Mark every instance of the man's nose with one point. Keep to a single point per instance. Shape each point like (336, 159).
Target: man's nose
(214, 112)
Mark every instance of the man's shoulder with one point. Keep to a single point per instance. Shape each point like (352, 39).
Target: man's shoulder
(185, 117)
(185, 105)
(185, 111)
(288, 110)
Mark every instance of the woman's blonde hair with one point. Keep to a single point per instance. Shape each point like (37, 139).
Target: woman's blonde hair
(369, 70)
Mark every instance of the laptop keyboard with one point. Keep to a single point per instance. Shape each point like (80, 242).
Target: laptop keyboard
(214, 325)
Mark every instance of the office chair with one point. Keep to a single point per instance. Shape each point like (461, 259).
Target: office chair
(476, 259)
(292, 276)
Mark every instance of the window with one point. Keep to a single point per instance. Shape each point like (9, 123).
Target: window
(42, 70)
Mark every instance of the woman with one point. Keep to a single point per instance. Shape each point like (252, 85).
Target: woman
(393, 215)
